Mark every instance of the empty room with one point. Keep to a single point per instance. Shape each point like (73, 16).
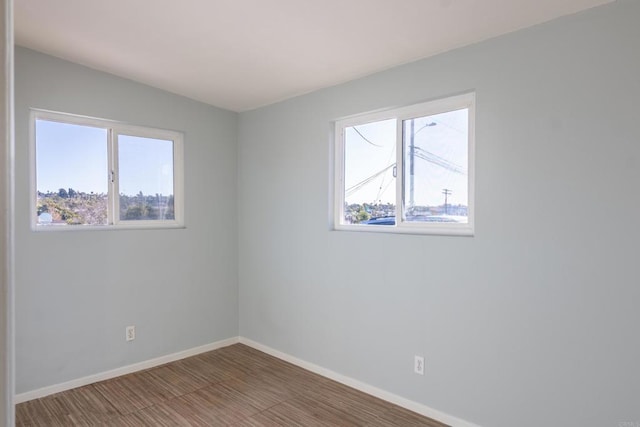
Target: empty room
(307, 213)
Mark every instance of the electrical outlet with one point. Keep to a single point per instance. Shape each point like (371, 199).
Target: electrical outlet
(418, 365)
(130, 333)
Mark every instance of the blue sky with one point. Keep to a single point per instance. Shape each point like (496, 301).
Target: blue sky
(74, 156)
(145, 165)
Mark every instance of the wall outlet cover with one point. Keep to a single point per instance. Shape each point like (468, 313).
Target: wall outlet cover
(130, 333)
(418, 365)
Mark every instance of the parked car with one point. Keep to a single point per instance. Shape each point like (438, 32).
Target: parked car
(383, 220)
(390, 220)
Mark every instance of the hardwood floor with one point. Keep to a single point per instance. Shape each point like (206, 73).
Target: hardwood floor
(233, 386)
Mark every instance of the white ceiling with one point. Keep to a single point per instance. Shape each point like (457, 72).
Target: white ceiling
(242, 54)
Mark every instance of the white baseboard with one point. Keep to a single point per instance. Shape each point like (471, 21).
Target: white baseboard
(56, 388)
(364, 387)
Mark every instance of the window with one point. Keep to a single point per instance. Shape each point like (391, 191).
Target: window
(407, 170)
(93, 173)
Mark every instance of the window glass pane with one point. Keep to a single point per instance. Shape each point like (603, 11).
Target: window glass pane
(71, 174)
(145, 168)
(435, 168)
(369, 173)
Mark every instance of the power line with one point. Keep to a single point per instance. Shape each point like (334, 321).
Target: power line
(380, 190)
(365, 138)
(437, 160)
(365, 181)
(419, 153)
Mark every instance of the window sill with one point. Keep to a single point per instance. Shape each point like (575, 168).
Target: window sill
(75, 228)
(465, 230)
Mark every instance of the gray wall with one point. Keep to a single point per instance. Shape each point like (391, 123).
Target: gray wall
(6, 178)
(76, 291)
(4, 223)
(534, 321)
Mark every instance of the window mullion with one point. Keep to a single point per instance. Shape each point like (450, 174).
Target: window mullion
(399, 171)
(113, 178)
(339, 188)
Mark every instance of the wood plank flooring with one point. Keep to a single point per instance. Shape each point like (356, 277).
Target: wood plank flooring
(233, 386)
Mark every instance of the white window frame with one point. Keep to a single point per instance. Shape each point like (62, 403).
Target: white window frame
(399, 114)
(114, 129)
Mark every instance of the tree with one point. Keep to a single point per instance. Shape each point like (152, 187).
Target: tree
(134, 212)
(151, 212)
(362, 215)
(171, 212)
(72, 193)
(63, 193)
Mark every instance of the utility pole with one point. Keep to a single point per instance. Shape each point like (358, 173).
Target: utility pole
(446, 193)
